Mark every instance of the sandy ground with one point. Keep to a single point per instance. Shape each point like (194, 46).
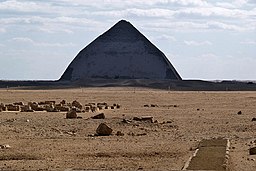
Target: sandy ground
(48, 141)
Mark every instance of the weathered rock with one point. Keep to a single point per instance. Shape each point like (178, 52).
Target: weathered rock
(153, 105)
(63, 102)
(126, 121)
(103, 130)
(252, 151)
(62, 108)
(147, 118)
(136, 118)
(144, 118)
(12, 107)
(5, 146)
(87, 108)
(118, 106)
(51, 108)
(77, 104)
(99, 116)
(94, 108)
(71, 114)
(19, 103)
(26, 108)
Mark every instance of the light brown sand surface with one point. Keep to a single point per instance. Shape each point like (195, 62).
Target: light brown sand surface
(48, 141)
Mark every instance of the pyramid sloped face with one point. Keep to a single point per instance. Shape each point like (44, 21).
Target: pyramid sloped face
(120, 53)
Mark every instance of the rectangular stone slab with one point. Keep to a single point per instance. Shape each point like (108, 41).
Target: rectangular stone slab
(211, 155)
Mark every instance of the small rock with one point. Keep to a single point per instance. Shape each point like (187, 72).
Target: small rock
(144, 118)
(99, 116)
(5, 146)
(126, 121)
(71, 114)
(119, 133)
(136, 118)
(252, 151)
(146, 105)
(27, 120)
(147, 118)
(253, 119)
(103, 130)
(153, 105)
(118, 106)
(239, 113)
(142, 134)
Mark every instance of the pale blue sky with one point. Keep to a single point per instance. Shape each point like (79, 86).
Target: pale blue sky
(210, 40)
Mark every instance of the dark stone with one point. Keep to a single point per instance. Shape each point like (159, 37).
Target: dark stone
(154, 105)
(144, 118)
(136, 118)
(252, 151)
(99, 116)
(239, 113)
(126, 121)
(103, 130)
(253, 119)
(71, 114)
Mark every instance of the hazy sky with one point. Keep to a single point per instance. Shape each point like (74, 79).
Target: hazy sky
(212, 39)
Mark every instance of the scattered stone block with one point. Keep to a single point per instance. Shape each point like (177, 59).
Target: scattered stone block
(118, 106)
(62, 108)
(126, 121)
(71, 114)
(5, 146)
(12, 107)
(239, 113)
(26, 108)
(63, 102)
(103, 130)
(99, 116)
(252, 151)
(18, 103)
(153, 105)
(144, 119)
(136, 119)
(77, 104)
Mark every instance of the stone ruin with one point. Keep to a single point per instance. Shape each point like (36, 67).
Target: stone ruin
(52, 106)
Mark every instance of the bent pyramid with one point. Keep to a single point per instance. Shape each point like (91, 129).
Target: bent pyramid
(122, 52)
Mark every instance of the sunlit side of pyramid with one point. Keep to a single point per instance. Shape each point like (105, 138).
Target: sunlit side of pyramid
(122, 52)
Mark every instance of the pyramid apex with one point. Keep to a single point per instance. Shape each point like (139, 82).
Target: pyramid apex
(123, 23)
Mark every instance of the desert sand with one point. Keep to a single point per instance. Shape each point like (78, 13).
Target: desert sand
(48, 141)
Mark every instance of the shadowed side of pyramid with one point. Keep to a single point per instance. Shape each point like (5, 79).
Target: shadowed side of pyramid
(122, 52)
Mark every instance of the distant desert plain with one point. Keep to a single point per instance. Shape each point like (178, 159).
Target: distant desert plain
(43, 140)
